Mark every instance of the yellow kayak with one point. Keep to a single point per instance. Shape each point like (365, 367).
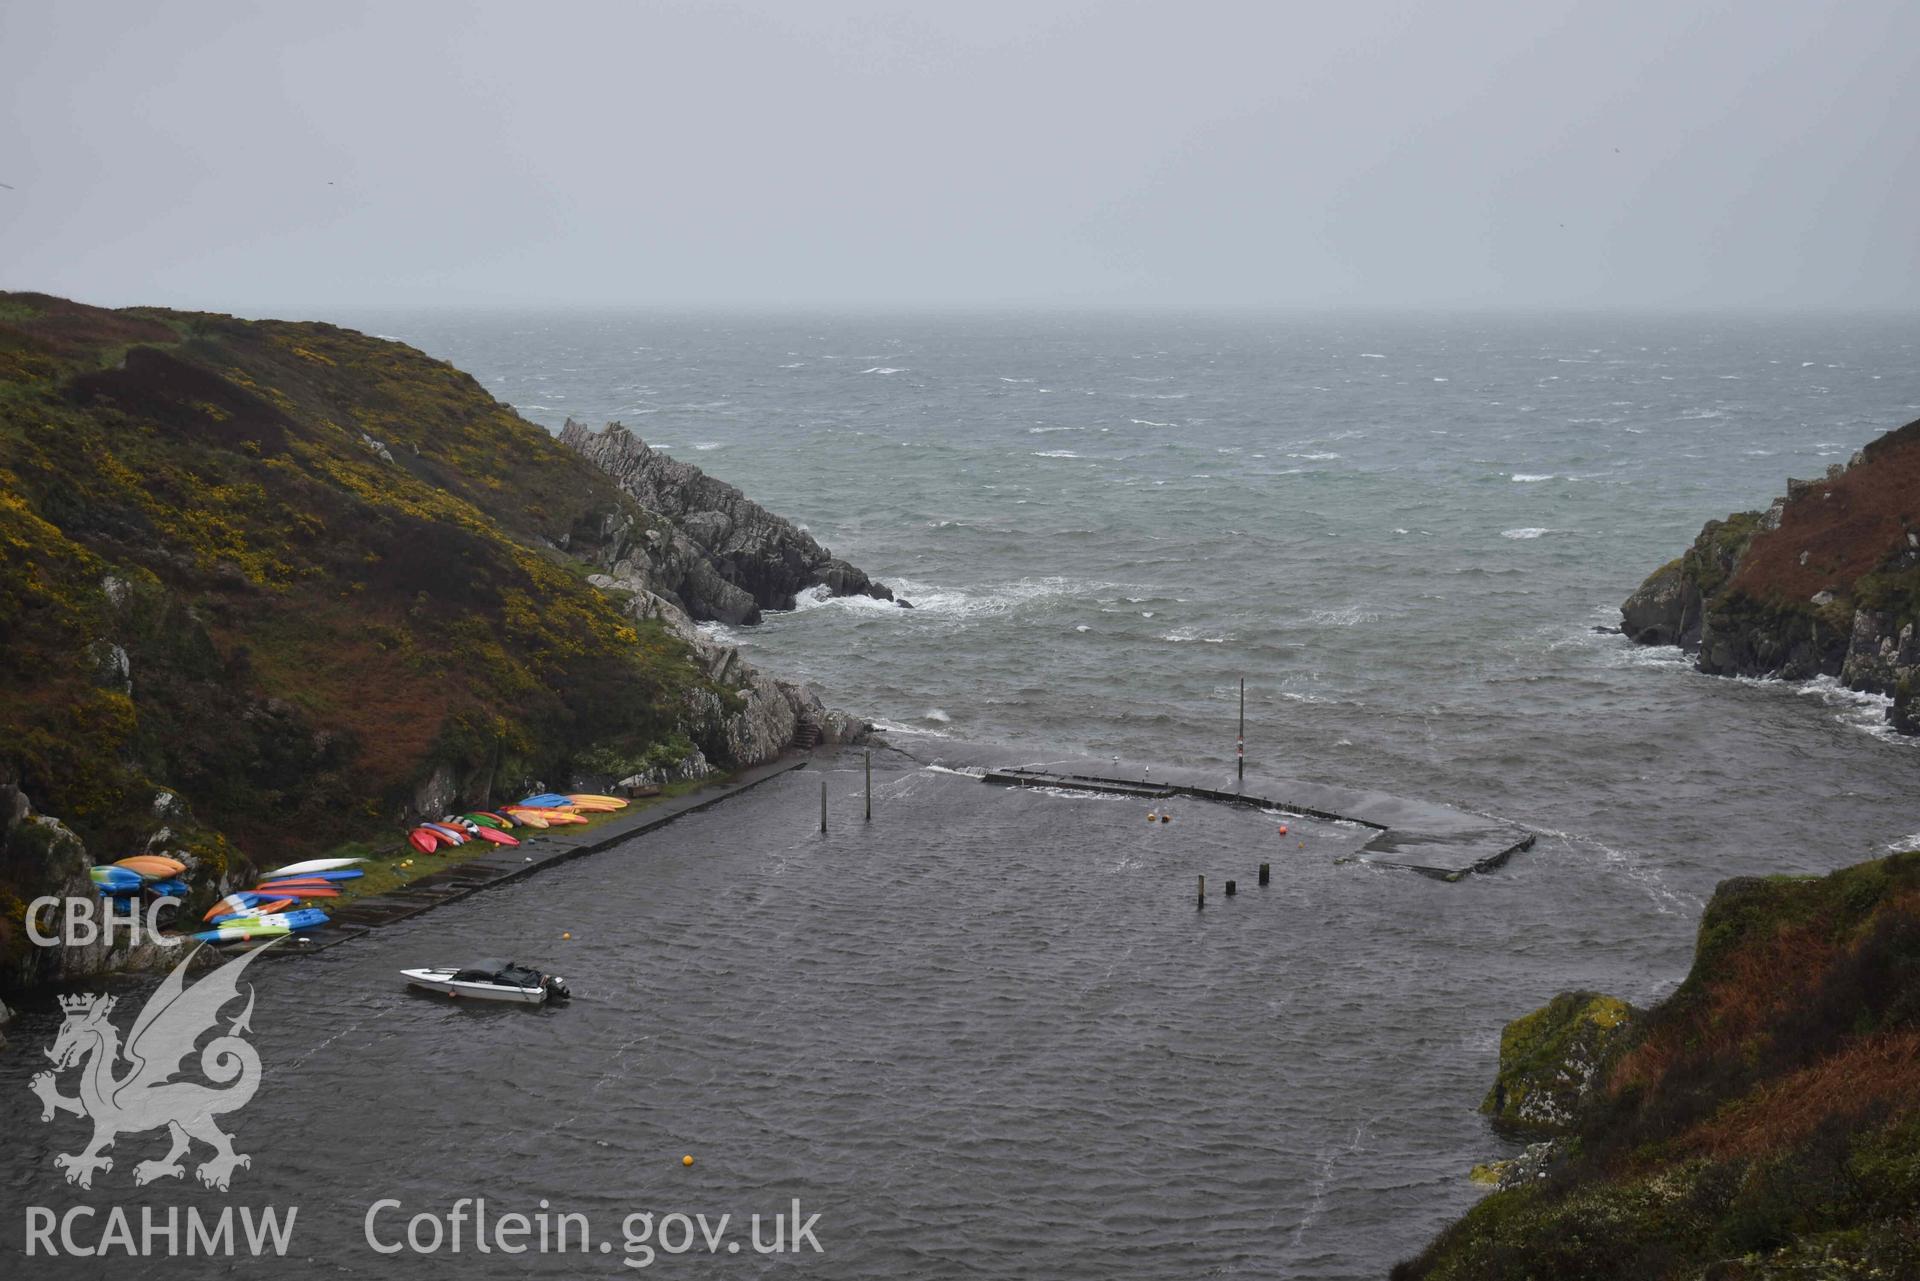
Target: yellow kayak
(590, 798)
(552, 818)
(153, 867)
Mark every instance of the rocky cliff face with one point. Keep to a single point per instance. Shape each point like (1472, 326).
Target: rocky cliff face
(1825, 582)
(716, 554)
(1761, 1122)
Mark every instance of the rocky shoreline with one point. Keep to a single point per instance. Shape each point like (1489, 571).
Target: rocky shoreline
(1824, 582)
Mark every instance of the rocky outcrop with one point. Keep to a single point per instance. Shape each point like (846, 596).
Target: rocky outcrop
(717, 554)
(1825, 582)
(41, 851)
(1551, 1059)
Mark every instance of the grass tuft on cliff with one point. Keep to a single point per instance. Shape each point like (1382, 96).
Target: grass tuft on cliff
(1762, 1122)
(285, 572)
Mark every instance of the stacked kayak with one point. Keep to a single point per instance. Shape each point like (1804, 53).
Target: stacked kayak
(262, 912)
(154, 874)
(495, 827)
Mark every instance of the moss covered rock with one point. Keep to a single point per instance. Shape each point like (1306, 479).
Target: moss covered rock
(1551, 1059)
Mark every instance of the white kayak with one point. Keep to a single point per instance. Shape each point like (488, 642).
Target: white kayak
(491, 981)
(311, 865)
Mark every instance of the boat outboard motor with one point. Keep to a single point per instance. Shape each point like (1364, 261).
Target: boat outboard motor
(556, 988)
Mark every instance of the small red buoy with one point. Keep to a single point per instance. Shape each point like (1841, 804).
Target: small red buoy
(1283, 829)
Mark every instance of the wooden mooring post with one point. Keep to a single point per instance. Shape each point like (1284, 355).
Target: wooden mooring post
(869, 785)
(1266, 872)
(1203, 891)
(823, 807)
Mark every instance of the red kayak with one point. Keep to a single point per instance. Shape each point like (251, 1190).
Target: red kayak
(495, 835)
(423, 840)
(299, 891)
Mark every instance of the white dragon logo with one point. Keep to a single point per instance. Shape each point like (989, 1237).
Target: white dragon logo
(145, 1097)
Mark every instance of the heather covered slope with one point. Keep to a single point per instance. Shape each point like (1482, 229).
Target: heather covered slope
(1762, 1122)
(268, 586)
(1826, 582)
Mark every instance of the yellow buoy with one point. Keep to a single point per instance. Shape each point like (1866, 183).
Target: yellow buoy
(566, 934)
(686, 1160)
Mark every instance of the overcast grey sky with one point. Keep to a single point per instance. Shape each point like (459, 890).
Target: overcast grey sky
(826, 153)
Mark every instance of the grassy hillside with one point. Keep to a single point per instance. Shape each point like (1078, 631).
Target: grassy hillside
(1762, 1122)
(287, 572)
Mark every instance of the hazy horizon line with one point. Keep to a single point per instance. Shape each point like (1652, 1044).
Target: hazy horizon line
(318, 311)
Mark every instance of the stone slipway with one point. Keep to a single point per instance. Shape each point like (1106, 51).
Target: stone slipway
(1433, 840)
(497, 865)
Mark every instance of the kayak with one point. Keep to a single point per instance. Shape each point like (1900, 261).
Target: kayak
(311, 865)
(235, 903)
(495, 835)
(527, 818)
(451, 835)
(306, 918)
(174, 886)
(261, 909)
(584, 798)
(241, 934)
(553, 818)
(423, 840)
(113, 877)
(152, 867)
(299, 891)
(485, 820)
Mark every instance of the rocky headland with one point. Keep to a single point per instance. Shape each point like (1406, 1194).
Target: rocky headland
(1763, 1122)
(1824, 582)
(270, 590)
(718, 554)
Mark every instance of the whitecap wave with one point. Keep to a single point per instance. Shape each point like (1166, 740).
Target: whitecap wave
(1528, 477)
(883, 369)
(1529, 532)
(1055, 453)
(704, 445)
(895, 727)
(1346, 616)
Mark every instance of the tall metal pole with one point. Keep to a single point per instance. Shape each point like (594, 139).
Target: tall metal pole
(869, 785)
(823, 805)
(1240, 745)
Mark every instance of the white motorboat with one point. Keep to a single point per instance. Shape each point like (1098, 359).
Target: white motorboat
(492, 981)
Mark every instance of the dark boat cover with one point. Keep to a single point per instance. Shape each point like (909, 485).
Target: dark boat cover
(504, 972)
